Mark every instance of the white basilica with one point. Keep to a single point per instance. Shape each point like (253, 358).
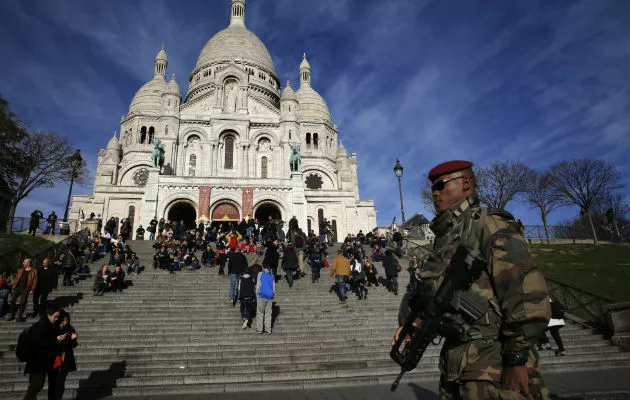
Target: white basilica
(226, 146)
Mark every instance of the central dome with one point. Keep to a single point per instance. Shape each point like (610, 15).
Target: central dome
(236, 42)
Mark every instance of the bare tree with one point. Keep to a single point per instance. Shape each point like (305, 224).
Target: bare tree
(540, 194)
(610, 212)
(584, 181)
(426, 196)
(42, 159)
(498, 183)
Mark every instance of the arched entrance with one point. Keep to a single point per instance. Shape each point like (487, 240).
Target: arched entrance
(183, 211)
(265, 209)
(225, 213)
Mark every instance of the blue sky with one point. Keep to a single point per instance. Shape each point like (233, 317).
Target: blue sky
(424, 81)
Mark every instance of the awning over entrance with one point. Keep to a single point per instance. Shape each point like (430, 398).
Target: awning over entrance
(225, 212)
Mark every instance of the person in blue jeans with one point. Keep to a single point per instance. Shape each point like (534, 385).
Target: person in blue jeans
(237, 264)
(341, 269)
(265, 290)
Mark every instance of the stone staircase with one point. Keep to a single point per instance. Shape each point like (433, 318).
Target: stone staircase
(175, 334)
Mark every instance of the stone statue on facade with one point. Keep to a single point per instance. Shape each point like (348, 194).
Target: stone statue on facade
(157, 157)
(296, 159)
(231, 97)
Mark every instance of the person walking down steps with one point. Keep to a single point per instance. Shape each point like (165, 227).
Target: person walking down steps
(265, 290)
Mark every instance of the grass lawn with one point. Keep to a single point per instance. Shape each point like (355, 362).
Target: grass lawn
(27, 243)
(602, 270)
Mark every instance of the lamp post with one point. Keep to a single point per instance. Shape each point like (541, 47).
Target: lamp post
(398, 170)
(76, 162)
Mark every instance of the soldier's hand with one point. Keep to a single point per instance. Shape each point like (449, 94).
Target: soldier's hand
(516, 379)
(396, 336)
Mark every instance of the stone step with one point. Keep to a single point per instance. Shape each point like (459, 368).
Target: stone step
(148, 385)
(186, 357)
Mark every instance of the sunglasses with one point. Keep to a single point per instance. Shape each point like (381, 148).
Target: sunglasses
(439, 185)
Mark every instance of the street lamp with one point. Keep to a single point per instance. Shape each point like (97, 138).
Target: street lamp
(76, 161)
(398, 170)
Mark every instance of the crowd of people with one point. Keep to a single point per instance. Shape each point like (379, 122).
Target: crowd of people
(277, 255)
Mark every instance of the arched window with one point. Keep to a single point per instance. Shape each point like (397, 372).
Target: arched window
(151, 134)
(320, 217)
(289, 131)
(263, 167)
(192, 165)
(166, 131)
(308, 139)
(315, 140)
(229, 153)
(143, 134)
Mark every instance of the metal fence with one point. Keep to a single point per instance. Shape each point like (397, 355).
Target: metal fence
(587, 306)
(23, 225)
(560, 232)
(535, 232)
(11, 260)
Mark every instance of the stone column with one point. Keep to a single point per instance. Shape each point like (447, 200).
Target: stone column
(299, 199)
(246, 160)
(148, 207)
(211, 161)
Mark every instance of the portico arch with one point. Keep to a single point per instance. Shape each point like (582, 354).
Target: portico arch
(263, 209)
(182, 210)
(225, 211)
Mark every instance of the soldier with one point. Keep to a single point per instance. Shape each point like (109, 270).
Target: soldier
(494, 356)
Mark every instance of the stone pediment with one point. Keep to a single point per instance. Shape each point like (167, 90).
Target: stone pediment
(201, 105)
(258, 107)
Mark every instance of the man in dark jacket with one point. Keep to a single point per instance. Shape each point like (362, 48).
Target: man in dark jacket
(237, 263)
(34, 223)
(44, 348)
(24, 284)
(46, 283)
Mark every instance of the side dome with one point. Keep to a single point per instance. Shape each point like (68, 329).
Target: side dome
(148, 98)
(312, 107)
(288, 93)
(113, 143)
(236, 42)
(173, 87)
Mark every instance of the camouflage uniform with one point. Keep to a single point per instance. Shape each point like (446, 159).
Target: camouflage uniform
(511, 290)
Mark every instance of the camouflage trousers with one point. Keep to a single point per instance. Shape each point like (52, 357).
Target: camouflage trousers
(486, 390)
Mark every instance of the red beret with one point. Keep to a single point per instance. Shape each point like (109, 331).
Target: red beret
(448, 167)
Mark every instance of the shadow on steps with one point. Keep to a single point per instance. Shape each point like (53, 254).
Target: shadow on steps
(100, 383)
(67, 300)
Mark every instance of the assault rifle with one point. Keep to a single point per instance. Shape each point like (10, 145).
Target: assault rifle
(464, 268)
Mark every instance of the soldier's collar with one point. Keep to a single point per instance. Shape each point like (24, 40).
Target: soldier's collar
(463, 205)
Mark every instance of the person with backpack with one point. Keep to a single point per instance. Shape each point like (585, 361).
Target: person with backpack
(555, 324)
(247, 297)
(265, 291)
(39, 346)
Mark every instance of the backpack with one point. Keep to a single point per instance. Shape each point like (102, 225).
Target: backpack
(557, 310)
(23, 350)
(299, 242)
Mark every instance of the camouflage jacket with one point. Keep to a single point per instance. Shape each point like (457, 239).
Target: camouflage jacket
(510, 288)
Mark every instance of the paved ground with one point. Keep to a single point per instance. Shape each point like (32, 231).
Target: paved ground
(613, 384)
